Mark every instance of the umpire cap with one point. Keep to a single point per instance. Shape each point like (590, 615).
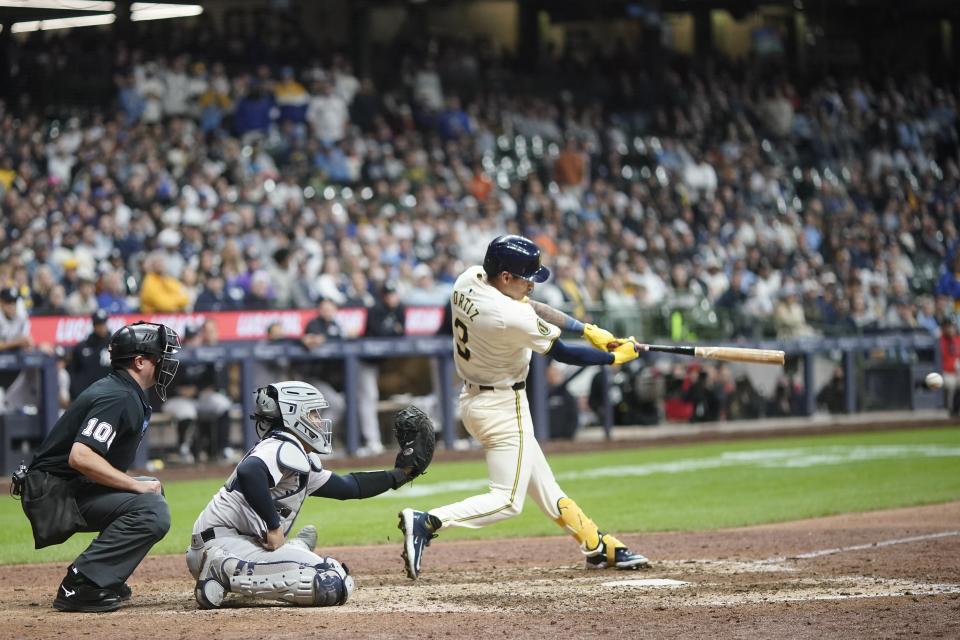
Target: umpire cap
(516, 255)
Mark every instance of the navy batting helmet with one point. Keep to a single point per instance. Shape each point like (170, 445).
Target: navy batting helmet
(516, 255)
(146, 338)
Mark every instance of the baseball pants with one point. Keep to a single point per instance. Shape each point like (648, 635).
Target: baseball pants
(500, 420)
(249, 549)
(129, 525)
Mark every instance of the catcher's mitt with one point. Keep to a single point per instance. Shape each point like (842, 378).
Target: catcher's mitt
(416, 438)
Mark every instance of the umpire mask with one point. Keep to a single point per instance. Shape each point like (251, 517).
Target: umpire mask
(148, 339)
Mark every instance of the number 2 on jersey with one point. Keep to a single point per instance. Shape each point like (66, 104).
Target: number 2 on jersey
(461, 339)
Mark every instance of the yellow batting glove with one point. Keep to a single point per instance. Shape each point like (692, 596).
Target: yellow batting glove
(599, 338)
(626, 352)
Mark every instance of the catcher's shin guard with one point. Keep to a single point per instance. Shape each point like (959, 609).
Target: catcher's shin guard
(574, 520)
(322, 585)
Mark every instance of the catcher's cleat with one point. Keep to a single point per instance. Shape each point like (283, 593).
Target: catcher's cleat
(308, 535)
(209, 590)
(78, 593)
(416, 536)
(614, 554)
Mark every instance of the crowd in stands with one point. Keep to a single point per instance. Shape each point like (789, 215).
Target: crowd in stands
(720, 202)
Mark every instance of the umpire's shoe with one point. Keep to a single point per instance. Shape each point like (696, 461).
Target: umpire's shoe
(417, 534)
(78, 593)
(614, 554)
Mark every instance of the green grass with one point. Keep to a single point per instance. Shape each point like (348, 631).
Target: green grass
(717, 492)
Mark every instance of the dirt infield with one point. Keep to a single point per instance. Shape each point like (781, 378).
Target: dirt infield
(886, 574)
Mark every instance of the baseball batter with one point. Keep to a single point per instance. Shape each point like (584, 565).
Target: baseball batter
(239, 542)
(495, 330)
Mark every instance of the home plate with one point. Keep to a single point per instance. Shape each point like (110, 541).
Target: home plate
(646, 582)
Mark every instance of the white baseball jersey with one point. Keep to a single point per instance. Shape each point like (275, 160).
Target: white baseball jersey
(291, 487)
(16, 327)
(493, 334)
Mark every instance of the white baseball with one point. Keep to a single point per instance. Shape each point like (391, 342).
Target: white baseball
(934, 380)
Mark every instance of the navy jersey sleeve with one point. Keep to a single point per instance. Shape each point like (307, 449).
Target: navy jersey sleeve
(105, 419)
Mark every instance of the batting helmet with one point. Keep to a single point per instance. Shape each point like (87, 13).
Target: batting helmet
(294, 406)
(516, 255)
(147, 338)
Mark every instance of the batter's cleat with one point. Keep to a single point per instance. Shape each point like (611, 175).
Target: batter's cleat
(209, 590)
(613, 554)
(78, 593)
(416, 536)
(308, 535)
(623, 558)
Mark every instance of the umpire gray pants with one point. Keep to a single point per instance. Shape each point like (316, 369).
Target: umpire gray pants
(129, 525)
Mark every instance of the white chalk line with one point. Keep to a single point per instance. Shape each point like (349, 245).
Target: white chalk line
(789, 458)
(860, 547)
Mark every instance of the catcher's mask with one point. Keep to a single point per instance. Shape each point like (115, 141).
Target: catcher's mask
(293, 406)
(148, 339)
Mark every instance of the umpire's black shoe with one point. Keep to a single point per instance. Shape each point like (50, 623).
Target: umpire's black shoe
(123, 591)
(77, 593)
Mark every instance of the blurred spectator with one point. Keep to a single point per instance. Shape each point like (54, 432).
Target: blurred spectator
(90, 358)
(113, 294)
(83, 301)
(706, 396)
(161, 292)
(213, 296)
(386, 319)
(564, 412)
(949, 283)
(182, 398)
(788, 315)
(327, 114)
(326, 376)
(949, 354)
(746, 403)
(14, 336)
(291, 97)
(214, 403)
(832, 396)
(63, 379)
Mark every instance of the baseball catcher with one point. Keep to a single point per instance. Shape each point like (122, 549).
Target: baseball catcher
(239, 542)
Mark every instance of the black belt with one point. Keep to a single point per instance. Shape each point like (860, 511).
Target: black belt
(519, 386)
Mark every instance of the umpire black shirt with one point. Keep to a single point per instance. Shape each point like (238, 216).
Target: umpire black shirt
(110, 416)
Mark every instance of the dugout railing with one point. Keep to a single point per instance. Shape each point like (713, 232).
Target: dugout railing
(913, 354)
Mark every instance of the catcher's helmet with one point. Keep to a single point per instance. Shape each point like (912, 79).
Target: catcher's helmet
(293, 406)
(147, 338)
(516, 255)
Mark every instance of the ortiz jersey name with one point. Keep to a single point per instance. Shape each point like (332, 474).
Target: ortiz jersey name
(493, 334)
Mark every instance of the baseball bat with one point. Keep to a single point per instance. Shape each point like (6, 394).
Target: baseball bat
(730, 354)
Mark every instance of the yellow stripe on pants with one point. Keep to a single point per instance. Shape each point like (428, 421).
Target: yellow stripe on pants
(516, 475)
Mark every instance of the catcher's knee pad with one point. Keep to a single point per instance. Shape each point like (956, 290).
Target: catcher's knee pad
(574, 520)
(331, 589)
